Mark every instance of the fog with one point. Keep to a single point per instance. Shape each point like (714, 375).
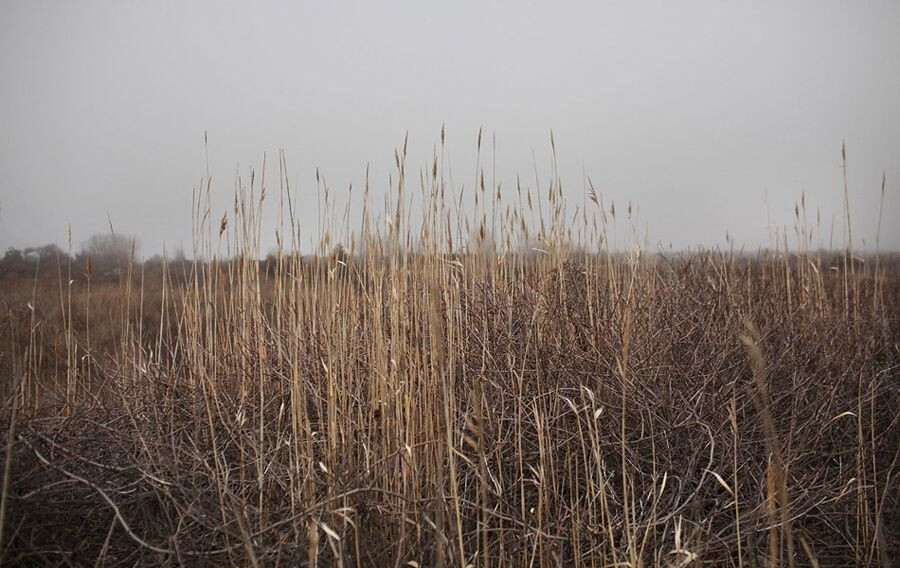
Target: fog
(710, 117)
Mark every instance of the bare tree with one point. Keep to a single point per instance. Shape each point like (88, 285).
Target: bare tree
(109, 252)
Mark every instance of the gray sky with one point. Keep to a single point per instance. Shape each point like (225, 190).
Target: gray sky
(692, 110)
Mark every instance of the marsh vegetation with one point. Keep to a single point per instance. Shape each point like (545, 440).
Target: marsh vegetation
(498, 388)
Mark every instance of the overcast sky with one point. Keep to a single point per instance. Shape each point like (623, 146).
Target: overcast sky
(695, 111)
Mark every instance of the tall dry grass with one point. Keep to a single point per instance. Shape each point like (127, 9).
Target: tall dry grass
(495, 389)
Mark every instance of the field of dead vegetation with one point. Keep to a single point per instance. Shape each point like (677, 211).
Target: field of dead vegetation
(402, 403)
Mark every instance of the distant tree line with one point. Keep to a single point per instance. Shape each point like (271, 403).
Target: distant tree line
(107, 257)
(103, 256)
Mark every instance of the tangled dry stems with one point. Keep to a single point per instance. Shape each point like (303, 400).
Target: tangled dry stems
(587, 412)
(521, 403)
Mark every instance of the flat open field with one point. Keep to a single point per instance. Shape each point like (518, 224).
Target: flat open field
(413, 407)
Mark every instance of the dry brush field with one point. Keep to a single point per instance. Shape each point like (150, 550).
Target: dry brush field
(402, 403)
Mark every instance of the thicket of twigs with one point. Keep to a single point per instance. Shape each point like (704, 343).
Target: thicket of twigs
(406, 404)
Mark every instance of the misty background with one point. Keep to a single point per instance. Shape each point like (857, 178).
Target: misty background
(711, 117)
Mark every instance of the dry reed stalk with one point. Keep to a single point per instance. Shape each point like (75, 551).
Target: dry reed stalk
(777, 504)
